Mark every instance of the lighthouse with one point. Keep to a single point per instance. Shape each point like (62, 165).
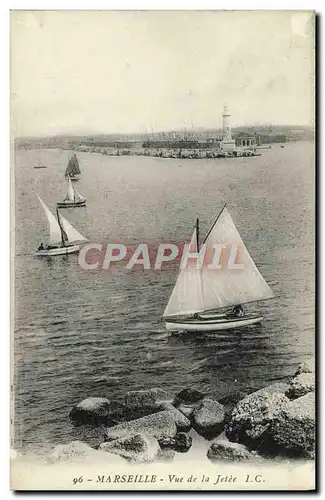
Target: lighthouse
(227, 143)
(226, 128)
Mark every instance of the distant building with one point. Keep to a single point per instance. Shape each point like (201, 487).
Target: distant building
(246, 142)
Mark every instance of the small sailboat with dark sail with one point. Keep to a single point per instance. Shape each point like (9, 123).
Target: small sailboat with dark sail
(210, 298)
(63, 239)
(73, 169)
(39, 165)
(72, 199)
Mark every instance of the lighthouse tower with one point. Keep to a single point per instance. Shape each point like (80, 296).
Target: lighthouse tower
(227, 143)
(226, 128)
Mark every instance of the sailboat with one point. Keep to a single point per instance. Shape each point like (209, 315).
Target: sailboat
(63, 239)
(73, 168)
(203, 299)
(72, 199)
(39, 165)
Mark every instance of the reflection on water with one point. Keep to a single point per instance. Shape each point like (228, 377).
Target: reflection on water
(100, 333)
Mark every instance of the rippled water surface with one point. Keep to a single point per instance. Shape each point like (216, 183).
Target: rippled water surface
(80, 334)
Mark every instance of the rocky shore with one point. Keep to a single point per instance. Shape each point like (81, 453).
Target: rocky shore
(153, 425)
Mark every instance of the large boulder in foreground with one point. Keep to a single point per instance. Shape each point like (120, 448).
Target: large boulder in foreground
(226, 451)
(79, 452)
(306, 367)
(181, 442)
(208, 418)
(136, 448)
(92, 411)
(301, 385)
(253, 415)
(293, 428)
(159, 425)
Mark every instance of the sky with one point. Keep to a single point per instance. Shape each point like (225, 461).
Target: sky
(143, 71)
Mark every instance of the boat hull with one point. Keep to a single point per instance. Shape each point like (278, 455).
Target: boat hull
(211, 325)
(58, 251)
(72, 179)
(70, 204)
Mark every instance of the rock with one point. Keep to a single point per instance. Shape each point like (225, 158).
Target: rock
(183, 424)
(252, 416)
(136, 448)
(150, 397)
(227, 451)
(187, 400)
(188, 396)
(301, 385)
(89, 434)
(230, 401)
(120, 412)
(159, 425)
(307, 367)
(138, 404)
(93, 411)
(186, 409)
(293, 427)
(77, 451)
(208, 418)
(181, 442)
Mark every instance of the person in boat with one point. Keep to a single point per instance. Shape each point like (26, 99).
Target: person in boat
(41, 247)
(238, 311)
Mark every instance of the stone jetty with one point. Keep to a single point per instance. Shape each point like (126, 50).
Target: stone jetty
(198, 154)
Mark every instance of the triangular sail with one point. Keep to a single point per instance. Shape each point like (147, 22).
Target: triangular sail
(70, 196)
(72, 234)
(186, 297)
(73, 166)
(76, 165)
(55, 230)
(78, 196)
(227, 287)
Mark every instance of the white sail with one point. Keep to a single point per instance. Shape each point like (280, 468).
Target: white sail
(78, 196)
(227, 287)
(186, 297)
(55, 231)
(70, 194)
(72, 234)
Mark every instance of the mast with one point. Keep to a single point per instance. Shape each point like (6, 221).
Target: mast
(197, 235)
(214, 222)
(61, 228)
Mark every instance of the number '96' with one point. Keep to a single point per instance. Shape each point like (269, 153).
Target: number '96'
(76, 480)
